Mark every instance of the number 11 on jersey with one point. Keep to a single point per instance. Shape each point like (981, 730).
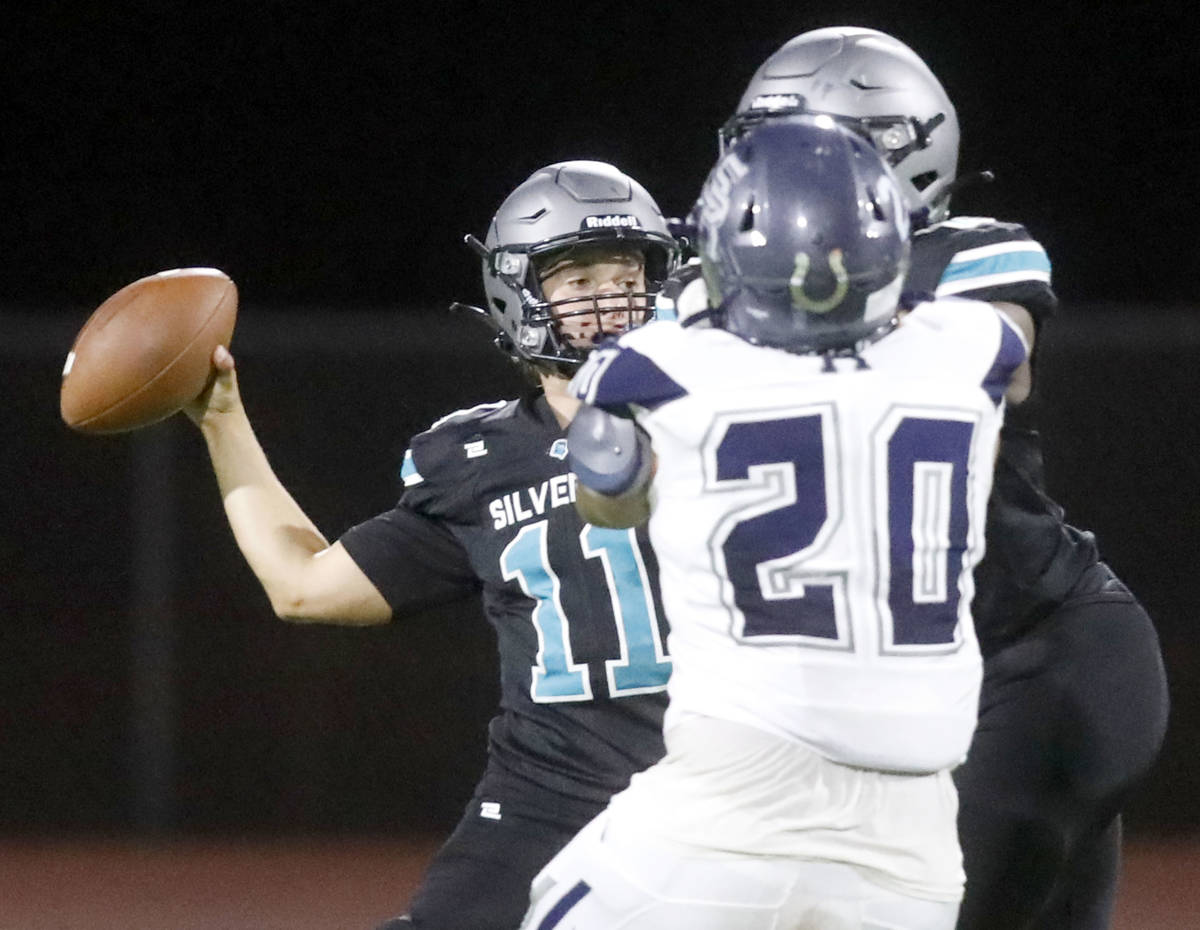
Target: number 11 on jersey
(642, 667)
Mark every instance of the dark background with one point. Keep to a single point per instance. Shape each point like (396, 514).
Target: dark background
(337, 152)
(329, 158)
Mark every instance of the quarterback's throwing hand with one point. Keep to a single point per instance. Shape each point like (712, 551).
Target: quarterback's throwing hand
(221, 395)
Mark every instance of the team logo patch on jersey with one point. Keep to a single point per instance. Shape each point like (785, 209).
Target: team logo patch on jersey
(558, 449)
(475, 448)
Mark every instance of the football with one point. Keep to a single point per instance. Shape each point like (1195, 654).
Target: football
(147, 350)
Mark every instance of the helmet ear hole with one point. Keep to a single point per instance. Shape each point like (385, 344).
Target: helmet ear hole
(747, 222)
(924, 179)
(499, 304)
(876, 209)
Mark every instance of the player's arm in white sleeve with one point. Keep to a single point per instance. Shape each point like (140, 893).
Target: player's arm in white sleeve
(305, 578)
(613, 465)
(1021, 384)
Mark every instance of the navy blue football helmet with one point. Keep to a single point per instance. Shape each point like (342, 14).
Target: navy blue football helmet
(803, 237)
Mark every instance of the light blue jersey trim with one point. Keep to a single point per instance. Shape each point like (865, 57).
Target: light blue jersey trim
(1002, 262)
(408, 471)
(665, 309)
(477, 410)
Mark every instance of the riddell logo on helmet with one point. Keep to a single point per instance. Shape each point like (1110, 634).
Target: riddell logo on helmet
(777, 102)
(611, 221)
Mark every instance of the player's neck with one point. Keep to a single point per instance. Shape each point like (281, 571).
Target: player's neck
(563, 404)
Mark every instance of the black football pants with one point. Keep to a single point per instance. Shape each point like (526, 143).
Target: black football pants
(1071, 716)
(479, 879)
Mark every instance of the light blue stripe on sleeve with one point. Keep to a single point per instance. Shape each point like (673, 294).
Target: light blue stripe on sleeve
(1027, 258)
(408, 471)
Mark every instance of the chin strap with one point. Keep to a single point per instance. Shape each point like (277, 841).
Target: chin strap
(970, 179)
(920, 218)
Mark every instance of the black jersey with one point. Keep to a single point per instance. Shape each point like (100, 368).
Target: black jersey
(488, 506)
(985, 259)
(1034, 558)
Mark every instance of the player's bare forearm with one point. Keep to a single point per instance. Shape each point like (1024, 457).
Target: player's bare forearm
(303, 576)
(618, 513)
(263, 515)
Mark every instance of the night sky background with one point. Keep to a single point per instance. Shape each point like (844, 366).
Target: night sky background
(329, 157)
(338, 151)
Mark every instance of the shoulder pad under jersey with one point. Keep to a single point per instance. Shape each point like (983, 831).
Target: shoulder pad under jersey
(971, 338)
(441, 450)
(683, 294)
(985, 259)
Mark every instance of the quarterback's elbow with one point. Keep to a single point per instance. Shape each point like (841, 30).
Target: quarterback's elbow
(326, 587)
(293, 606)
(341, 608)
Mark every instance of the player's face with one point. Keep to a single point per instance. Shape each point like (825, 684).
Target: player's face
(591, 293)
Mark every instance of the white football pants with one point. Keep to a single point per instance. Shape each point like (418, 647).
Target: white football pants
(601, 883)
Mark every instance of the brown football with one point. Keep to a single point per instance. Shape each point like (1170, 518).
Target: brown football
(147, 350)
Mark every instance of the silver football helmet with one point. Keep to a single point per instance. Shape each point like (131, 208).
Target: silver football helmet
(560, 206)
(874, 84)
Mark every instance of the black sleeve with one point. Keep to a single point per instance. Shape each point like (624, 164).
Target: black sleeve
(984, 259)
(1035, 296)
(414, 561)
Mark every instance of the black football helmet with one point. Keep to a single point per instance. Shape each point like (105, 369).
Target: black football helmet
(803, 237)
(558, 207)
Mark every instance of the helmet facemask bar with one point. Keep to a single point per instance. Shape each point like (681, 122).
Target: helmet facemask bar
(894, 137)
(614, 312)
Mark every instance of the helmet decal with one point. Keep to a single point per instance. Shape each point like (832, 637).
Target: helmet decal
(611, 220)
(800, 297)
(714, 197)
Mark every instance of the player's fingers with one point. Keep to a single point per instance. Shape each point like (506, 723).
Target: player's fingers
(220, 395)
(222, 359)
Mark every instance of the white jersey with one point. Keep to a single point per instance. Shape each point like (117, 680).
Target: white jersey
(817, 522)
